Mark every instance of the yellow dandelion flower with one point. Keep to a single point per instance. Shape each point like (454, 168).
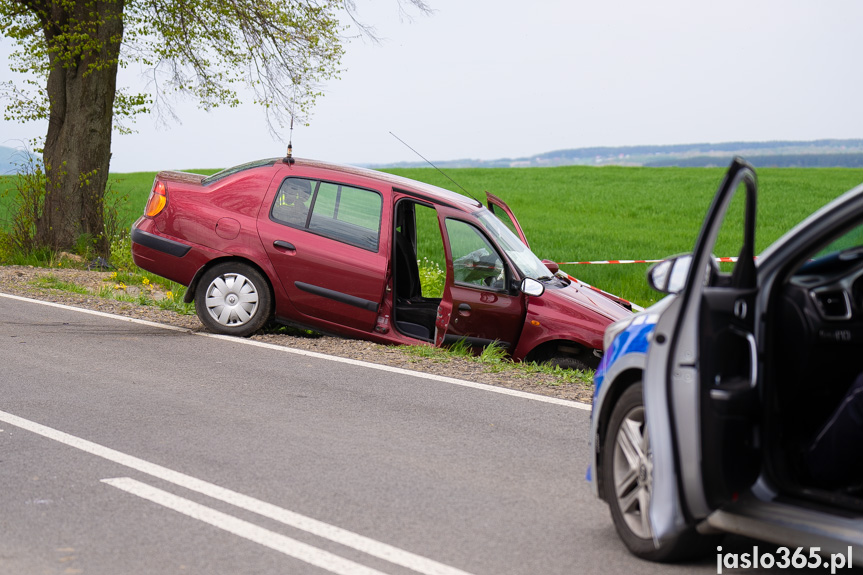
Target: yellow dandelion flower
(169, 294)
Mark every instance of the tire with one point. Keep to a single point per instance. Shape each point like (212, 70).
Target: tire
(569, 362)
(627, 473)
(233, 298)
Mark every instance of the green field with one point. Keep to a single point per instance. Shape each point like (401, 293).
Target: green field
(587, 213)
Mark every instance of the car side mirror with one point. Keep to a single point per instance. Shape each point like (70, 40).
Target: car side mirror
(669, 276)
(552, 266)
(530, 286)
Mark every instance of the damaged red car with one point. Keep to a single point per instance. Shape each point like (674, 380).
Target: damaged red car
(356, 252)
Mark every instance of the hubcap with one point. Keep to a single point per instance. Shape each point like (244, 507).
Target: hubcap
(633, 472)
(232, 299)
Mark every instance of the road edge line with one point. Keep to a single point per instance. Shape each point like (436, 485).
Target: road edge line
(318, 355)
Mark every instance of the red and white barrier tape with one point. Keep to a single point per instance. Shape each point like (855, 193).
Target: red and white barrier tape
(734, 259)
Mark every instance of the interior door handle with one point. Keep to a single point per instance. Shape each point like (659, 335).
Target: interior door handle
(753, 354)
(284, 245)
(463, 307)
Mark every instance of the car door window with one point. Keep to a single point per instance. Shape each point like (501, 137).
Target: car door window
(351, 215)
(475, 261)
(729, 241)
(291, 206)
(343, 213)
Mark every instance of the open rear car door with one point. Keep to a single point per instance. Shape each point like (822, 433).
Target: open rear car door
(701, 380)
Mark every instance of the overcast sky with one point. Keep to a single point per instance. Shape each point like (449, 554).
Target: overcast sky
(510, 78)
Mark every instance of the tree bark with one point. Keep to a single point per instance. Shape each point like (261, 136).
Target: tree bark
(78, 143)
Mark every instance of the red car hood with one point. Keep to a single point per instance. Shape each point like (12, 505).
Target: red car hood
(586, 296)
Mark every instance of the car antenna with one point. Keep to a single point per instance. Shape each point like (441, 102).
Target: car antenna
(435, 167)
(289, 159)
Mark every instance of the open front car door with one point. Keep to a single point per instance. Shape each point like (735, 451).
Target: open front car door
(499, 208)
(701, 379)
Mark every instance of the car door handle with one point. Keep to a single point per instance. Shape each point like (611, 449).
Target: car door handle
(463, 308)
(284, 245)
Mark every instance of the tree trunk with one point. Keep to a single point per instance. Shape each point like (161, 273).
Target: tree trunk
(78, 144)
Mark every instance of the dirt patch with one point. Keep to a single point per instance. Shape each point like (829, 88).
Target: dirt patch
(23, 281)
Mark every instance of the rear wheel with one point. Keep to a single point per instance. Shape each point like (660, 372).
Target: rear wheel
(628, 471)
(233, 298)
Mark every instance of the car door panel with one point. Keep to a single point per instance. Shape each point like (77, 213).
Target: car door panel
(729, 396)
(477, 304)
(482, 316)
(334, 279)
(325, 278)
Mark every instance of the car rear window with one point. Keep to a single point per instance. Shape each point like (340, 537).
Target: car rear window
(230, 171)
(343, 213)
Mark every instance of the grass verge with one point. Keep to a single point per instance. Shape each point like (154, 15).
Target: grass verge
(494, 359)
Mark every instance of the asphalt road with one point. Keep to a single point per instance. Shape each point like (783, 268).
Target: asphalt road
(131, 448)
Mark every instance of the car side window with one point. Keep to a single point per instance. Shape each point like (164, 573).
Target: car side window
(291, 206)
(343, 213)
(475, 261)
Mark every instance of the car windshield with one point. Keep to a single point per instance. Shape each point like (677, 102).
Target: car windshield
(850, 242)
(840, 252)
(527, 263)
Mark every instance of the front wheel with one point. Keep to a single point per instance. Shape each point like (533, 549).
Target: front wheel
(570, 362)
(233, 298)
(627, 467)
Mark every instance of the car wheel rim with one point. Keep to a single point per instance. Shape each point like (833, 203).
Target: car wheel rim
(232, 300)
(633, 473)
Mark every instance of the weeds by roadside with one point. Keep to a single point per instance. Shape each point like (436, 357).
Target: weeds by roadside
(432, 277)
(51, 282)
(131, 288)
(494, 359)
(128, 283)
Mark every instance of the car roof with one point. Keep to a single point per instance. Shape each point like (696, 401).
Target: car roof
(432, 192)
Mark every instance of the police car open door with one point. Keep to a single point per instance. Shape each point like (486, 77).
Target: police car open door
(700, 384)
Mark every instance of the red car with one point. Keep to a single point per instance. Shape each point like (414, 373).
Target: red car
(336, 249)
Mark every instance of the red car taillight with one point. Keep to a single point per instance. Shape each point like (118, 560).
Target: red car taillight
(157, 200)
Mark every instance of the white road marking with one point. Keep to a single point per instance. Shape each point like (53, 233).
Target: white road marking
(398, 370)
(244, 529)
(344, 537)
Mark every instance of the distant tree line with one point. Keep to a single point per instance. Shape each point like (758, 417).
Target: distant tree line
(779, 153)
(837, 160)
(696, 148)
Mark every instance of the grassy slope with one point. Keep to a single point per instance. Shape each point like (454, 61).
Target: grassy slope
(586, 213)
